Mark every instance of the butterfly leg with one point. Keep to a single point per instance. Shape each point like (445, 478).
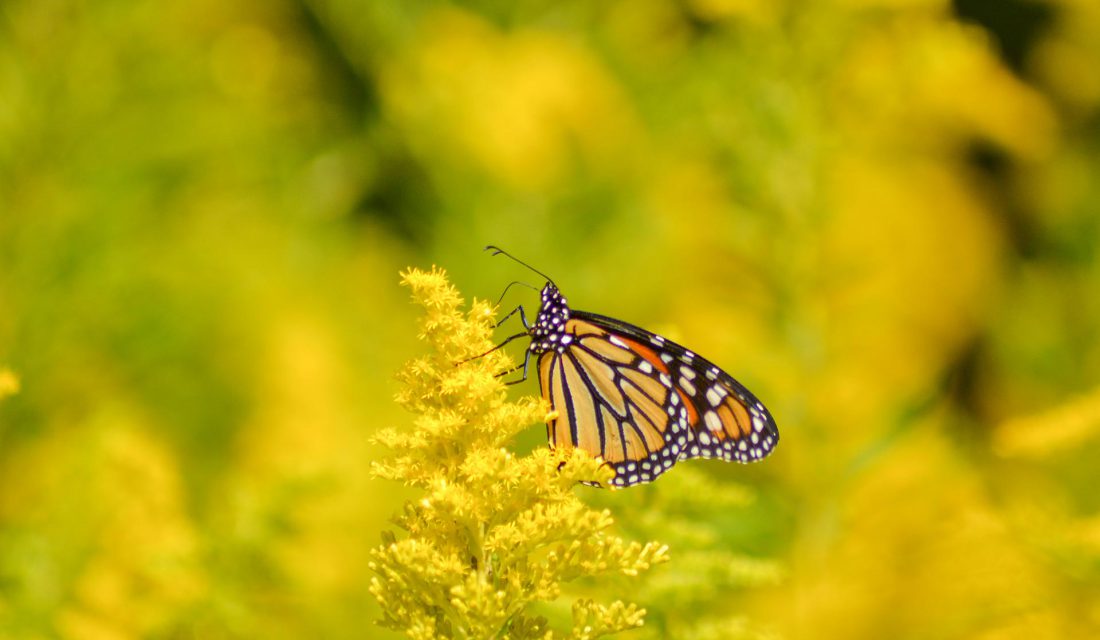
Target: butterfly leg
(510, 285)
(526, 360)
(522, 317)
(482, 355)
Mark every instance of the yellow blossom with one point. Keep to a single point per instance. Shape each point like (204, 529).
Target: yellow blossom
(494, 533)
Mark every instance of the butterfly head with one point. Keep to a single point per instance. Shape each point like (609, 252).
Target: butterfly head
(548, 332)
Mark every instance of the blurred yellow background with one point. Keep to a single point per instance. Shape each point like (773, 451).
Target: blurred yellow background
(880, 215)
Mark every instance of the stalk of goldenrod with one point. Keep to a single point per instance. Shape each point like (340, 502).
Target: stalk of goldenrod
(494, 533)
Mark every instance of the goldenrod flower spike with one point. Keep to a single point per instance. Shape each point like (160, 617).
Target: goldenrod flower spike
(494, 533)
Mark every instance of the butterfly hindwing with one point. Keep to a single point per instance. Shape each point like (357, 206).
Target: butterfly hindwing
(612, 402)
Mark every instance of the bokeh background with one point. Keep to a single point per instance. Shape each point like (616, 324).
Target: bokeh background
(880, 215)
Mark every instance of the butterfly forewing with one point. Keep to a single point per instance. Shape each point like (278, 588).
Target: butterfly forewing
(726, 419)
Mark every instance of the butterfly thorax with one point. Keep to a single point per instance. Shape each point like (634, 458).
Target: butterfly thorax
(549, 333)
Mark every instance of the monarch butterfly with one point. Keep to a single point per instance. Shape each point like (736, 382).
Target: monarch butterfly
(637, 400)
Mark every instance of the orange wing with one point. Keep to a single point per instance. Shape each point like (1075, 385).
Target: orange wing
(613, 400)
(643, 403)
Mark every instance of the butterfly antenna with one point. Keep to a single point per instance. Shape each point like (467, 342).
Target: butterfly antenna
(498, 251)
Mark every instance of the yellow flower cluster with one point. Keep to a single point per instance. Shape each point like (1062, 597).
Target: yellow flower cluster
(699, 516)
(9, 383)
(494, 533)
